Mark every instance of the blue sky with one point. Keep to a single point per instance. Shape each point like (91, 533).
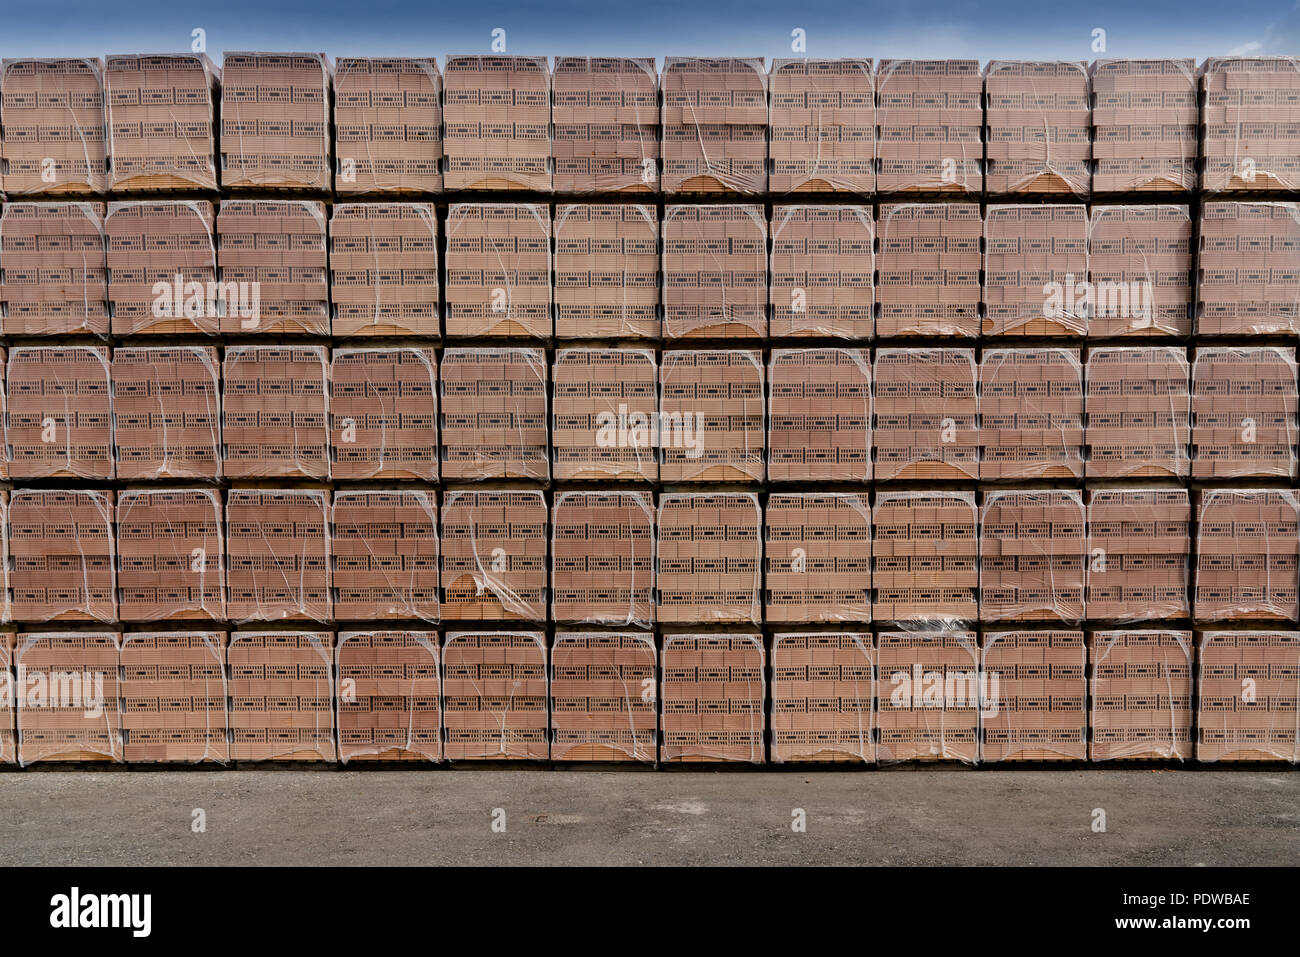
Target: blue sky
(901, 28)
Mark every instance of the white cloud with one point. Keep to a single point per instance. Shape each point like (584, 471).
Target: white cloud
(1245, 49)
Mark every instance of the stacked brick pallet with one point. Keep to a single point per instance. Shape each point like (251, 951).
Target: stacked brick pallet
(493, 408)
(708, 558)
(1244, 413)
(1139, 412)
(383, 412)
(1141, 690)
(276, 251)
(605, 116)
(64, 554)
(929, 266)
(160, 115)
(711, 411)
(1034, 257)
(1036, 683)
(53, 136)
(273, 411)
(392, 706)
(1248, 135)
(493, 559)
(1038, 137)
(82, 721)
(168, 242)
(1144, 121)
(715, 272)
(924, 552)
(823, 694)
(606, 271)
(384, 554)
(823, 265)
(1249, 277)
(602, 558)
(1031, 414)
(383, 264)
(387, 125)
(278, 555)
(495, 696)
(174, 697)
(603, 697)
(932, 711)
(275, 121)
(171, 554)
(499, 270)
(1032, 556)
(58, 420)
(53, 269)
(281, 697)
(1139, 547)
(925, 417)
(819, 415)
(817, 558)
(497, 123)
(1247, 688)
(715, 120)
(606, 423)
(712, 704)
(823, 126)
(166, 412)
(930, 121)
(1140, 267)
(1247, 555)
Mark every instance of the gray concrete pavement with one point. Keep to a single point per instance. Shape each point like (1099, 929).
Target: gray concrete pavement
(631, 817)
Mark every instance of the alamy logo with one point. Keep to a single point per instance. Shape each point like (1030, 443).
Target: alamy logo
(55, 689)
(946, 689)
(1102, 300)
(641, 430)
(179, 299)
(74, 910)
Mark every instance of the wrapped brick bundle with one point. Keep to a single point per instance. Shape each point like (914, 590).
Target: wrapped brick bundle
(925, 550)
(1032, 556)
(1246, 684)
(281, 696)
(499, 270)
(1035, 260)
(605, 114)
(497, 123)
(493, 558)
(711, 707)
(53, 135)
(494, 413)
(926, 423)
(1244, 413)
(273, 260)
(59, 420)
(384, 554)
(53, 269)
(823, 122)
(84, 723)
(715, 121)
(817, 557)
(1249, 269)
(819, 415)
(823, 697)
(711, 417)
(1031, 414)
(167, 244)
(600, 710)
(278, 545)
(823, 269)
(930, 263)
(1141, 686)
(275, 121)
(394, 711)
(931, 119)
(1249, 138)
(383, 413)
(1139, 549)
(171, 554)
(274, 412)
(930, 701)
(1140, 271)
(1144, 123)
(387, 125)
(175, 697)
(708, 558)
(161, 117)
(1039, 137)
(1037, 689)
(715, 272)
(383, 265)
(1139, 412)
(167, 412)
(606, 271)
(495, 695)
(64, 555)
(606, 414)
(602, 558)
(1247, 555)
